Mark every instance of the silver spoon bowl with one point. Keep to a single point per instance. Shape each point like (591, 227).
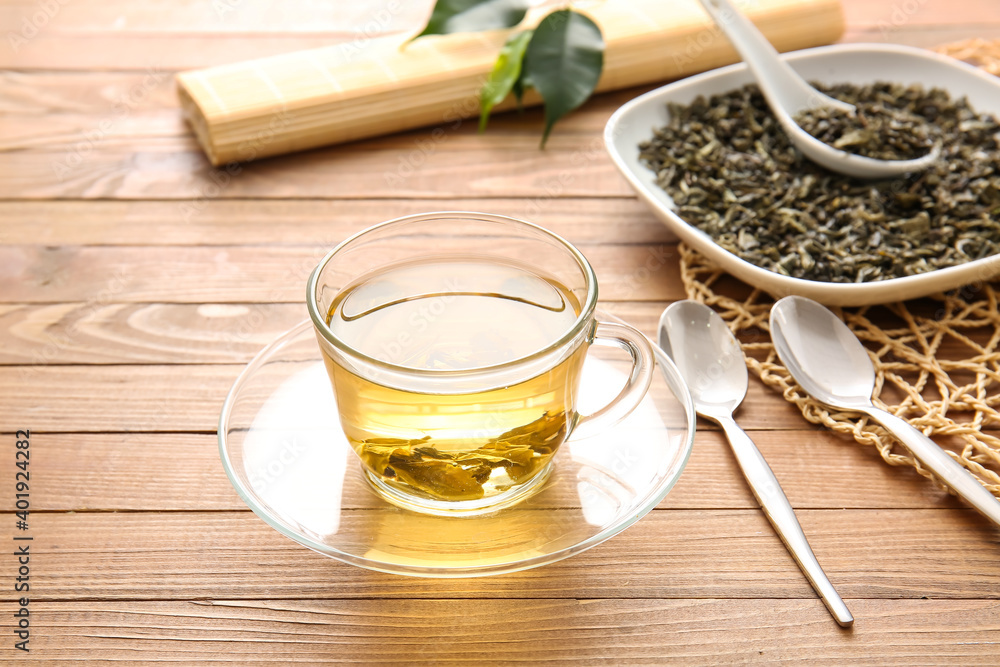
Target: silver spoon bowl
(711, 362)
(832, 366)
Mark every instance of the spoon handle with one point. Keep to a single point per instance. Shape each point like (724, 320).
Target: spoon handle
(776, 78)
(949, 471)
(779, 512)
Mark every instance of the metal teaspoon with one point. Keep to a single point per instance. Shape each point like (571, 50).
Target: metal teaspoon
(711, 362)
(832, 366)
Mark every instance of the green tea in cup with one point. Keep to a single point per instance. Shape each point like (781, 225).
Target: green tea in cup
(455, 343)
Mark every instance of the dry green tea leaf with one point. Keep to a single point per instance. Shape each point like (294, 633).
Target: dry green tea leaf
(875, 130)
(733, 174)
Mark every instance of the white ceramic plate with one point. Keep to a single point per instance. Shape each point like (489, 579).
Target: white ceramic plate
(842, 63)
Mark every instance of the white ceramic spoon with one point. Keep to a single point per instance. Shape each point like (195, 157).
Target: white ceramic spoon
(788, 94)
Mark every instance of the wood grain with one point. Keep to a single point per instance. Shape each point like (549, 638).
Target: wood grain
(243, 17)
(145, 398)
(259, 274)
(114, 333)
(134, 287)
(303, 221)
(106, 43)
(89, 96)
(51, 50)
(418, 170)
(179, 398)
(76, 133)
(182, 471)
(926, 37)
(97, 35)
(85, 94)
(464, 632)
(919, 14)
(669, 554)
(114, 128)
(109, 331)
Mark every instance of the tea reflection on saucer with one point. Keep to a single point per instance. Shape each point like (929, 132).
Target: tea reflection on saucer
(284, 452)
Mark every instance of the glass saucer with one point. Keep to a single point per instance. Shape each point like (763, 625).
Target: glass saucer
(284, 452)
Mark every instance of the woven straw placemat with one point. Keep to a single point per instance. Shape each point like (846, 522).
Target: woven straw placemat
(937, 360)
(979, 52)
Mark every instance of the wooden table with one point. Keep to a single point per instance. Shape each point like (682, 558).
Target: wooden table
(136, 281)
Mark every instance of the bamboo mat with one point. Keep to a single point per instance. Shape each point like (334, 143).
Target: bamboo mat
(350, 91)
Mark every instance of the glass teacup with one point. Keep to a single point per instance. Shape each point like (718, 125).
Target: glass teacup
(455, 343)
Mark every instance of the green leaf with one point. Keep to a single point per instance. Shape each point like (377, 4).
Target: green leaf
(521, 85)
(451, 16)
(506, 72)
(564, 62)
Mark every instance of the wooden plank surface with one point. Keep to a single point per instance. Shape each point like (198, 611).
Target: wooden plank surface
(181, 471)
(149, 398)
(99, 35)
(947, 553)
(136, 282)
(241, 17)
(636, 632)
(222, 222)
(260, 274)
(164, 129)
(103, 330)
(417, 169)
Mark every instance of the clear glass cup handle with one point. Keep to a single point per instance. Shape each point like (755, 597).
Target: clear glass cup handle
(630, 340)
